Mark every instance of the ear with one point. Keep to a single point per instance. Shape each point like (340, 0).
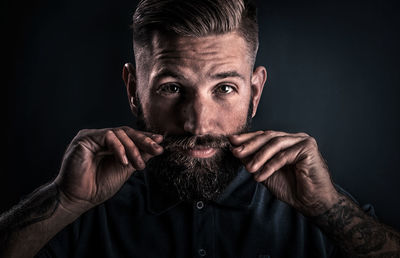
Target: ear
(129, 77)
(257, 84)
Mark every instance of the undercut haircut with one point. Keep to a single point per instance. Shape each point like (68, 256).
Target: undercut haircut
(195, 18)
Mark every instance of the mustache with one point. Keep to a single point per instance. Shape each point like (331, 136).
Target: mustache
(185, 142)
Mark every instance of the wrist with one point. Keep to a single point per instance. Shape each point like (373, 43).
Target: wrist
(328, 202)
(325, 203)
(71, 206)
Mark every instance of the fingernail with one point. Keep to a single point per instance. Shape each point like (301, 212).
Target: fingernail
(125, 160)
(156, 136)
(239, 149)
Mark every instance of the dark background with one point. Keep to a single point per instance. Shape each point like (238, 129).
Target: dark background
(332, 72)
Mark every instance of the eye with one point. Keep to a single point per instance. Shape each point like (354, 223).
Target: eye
(225, 89)
(170, 88)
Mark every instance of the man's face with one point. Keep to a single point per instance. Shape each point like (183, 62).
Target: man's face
(201, 89)
(195, 86)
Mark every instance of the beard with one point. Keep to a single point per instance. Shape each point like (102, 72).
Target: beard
(194, 178)
(191, 178)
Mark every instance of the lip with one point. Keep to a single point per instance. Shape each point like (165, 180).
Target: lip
(202, 152)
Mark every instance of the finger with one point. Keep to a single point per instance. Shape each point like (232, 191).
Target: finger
(131, 149)
(281, 159)
(238, 139)
(115, 146)
(147, 156)
(252, 145)
(270, 149)
(158, 138)
(155, 136)
(144, 142)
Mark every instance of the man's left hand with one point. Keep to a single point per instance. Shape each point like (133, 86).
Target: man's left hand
(290, 166)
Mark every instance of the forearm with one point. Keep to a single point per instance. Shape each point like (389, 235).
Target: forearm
(26, 228)
(356, 233)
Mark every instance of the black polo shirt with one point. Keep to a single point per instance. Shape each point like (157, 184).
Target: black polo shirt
(141, 221)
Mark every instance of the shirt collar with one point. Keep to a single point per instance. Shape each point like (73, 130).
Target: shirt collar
(239, 194)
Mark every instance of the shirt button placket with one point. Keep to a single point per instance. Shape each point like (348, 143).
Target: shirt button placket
(203, 230)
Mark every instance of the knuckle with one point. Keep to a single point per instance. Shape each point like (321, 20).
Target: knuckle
(268, 132)
(250, 168)
(277, 140)
(266, 167)
(312, 142)
(131, 146)
(140, 137)
(83, 132)
(117, 131)
(125, 128)
(134, 151)
(281, 156)
(147, 140)
(120, 148)
(255, 163)
(259, 132)
(127, 141)
(81, 136)
(273, 166)
(257, 158)
(109, 136)
(79, 144)
(241, 150)
(109, 133)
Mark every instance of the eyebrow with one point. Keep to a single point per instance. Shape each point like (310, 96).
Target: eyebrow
(168, 73)
(228, 74)
(222, 75)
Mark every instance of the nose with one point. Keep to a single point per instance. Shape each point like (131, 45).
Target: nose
(198, 115)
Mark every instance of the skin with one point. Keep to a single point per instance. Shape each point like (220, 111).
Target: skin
(193, 86)
(291, 166)
(191, 98)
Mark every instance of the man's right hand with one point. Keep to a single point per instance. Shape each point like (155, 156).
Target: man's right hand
(99, 161)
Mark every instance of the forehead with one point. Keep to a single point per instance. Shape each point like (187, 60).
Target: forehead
(198, 55)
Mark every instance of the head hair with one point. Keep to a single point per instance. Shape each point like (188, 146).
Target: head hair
(195, 18)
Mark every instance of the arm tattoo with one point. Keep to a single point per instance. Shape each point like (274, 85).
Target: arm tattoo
(356, 233)
(38, 206)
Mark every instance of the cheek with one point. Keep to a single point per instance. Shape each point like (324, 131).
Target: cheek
(233, 117)
(224, 117)
(161, 115)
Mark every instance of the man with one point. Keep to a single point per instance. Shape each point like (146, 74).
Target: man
(192, 180)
